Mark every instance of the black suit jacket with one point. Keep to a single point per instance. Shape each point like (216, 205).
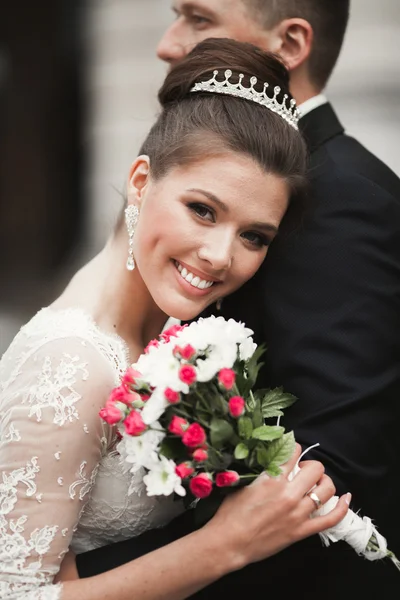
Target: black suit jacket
(327, 304)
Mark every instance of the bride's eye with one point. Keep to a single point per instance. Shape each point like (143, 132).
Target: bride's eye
(256, 239)
(202, 211)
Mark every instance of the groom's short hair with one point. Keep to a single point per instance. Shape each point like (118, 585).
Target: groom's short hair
(328, 18)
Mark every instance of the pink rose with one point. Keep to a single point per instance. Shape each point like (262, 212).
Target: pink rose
(178, 425)
(184, 470)
(151, 344)
(172, 396)
(236, 406)
(185, 352)
(172, 332)
(194, 436)
(121, 394)
(227, 478)
(201, 485)
(130, 377)
(200, 455)
(187, 374)
(110, 413)
(134, 424)
(227, 377)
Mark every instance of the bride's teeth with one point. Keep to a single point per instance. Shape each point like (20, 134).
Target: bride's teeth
(194, 280)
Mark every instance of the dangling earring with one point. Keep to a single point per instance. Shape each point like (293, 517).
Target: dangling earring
(219, 303)
(131, 218)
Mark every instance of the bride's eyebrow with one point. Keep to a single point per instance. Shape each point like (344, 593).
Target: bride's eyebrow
(257, 225)
(266, 226)
(211, 197)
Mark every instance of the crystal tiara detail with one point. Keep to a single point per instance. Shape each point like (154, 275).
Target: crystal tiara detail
(289, 113)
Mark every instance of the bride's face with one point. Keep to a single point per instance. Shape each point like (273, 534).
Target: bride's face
(204, 228)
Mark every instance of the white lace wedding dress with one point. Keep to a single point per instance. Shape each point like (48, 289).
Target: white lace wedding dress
(62, 482)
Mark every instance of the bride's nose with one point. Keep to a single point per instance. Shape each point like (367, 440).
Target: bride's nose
(217, 250)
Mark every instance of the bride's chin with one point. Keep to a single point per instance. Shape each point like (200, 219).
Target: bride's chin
(184, 313)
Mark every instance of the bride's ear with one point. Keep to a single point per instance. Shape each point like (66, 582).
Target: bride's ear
(138, 180)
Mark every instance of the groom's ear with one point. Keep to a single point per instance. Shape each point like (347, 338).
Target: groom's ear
(293, 40)
(139, 175)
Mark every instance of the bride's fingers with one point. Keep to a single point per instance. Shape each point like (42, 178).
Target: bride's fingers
(321, 523)
(309, 475)
(319, 495)
(288, 467)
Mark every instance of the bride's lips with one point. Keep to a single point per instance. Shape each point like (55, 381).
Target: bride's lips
(188, 287)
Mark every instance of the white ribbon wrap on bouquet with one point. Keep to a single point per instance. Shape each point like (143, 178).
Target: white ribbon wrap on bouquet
(359, 533)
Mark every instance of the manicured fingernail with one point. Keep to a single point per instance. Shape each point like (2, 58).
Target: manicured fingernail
(348, 498)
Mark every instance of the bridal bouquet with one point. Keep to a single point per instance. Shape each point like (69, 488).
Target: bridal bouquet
(187, 413)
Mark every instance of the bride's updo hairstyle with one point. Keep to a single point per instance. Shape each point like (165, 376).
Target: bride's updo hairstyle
(194, 125)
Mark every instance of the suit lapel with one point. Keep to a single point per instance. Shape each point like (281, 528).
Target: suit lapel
(319, 126)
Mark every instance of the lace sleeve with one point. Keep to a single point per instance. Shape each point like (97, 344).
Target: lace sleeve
(50, 446)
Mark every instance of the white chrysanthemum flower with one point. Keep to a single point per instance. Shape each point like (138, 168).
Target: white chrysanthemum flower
(137, 451)
(162, 480)
(160, 368)
(214, 331)
(220, 357)
(154, 407)
(247, 349)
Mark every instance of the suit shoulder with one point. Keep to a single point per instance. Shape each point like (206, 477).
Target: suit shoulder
(344, 168)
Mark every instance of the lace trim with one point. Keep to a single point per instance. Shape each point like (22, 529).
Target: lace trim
(58, 324)
(95, 327)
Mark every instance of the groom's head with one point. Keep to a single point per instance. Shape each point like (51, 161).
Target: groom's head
(307, 34)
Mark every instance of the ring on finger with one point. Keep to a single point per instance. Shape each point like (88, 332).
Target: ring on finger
(313, 496)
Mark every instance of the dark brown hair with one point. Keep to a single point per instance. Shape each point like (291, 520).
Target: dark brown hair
(193, 125)
(328, 18)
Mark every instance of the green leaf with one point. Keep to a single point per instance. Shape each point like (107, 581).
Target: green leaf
(241, 380)
(218, 461)
(251, 403)
(274, 401)
(245, 427)
(279, 451)
(221, 432)
(257, 416)
(262, 456)
(273, 471)
(173, 448)
(268, 433)
(241, 451)
(253, 366)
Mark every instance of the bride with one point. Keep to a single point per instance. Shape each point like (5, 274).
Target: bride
(205, 199)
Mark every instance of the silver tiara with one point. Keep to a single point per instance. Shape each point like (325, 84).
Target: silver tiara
(289, 113)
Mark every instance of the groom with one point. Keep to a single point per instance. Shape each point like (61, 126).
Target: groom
(326, 303)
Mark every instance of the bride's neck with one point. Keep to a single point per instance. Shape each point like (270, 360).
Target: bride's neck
(116, 298)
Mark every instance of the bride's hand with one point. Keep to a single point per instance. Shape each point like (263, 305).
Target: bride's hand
(272, 513)
(68, 570)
